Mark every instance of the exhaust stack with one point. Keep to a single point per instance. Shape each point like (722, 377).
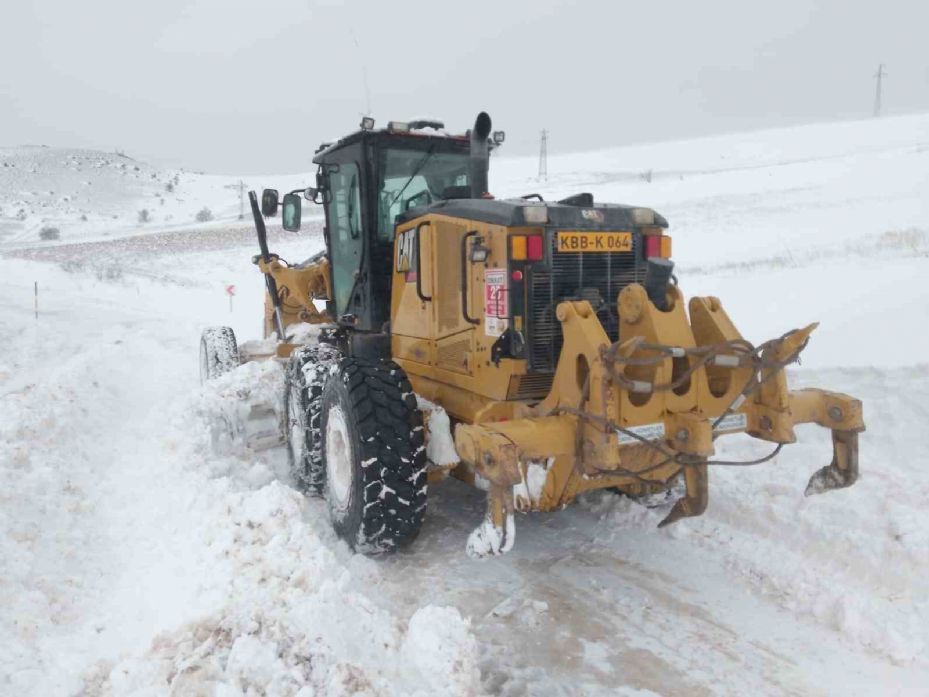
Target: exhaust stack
(480, 155)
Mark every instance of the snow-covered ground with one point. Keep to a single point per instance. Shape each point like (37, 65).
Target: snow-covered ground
(135, 559)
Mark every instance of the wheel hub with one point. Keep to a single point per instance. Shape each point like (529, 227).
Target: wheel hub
(339, 466)
(297, 420)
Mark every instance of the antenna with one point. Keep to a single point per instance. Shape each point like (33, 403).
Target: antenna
(364, 73)
(879, 76)
(364, 80)
(543, 156)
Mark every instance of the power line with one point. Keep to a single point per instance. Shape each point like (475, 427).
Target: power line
(879, 76)
(543, 156)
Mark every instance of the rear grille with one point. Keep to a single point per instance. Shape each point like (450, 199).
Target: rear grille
(596, 277)
(534, 386)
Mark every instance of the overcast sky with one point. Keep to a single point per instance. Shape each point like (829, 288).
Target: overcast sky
(236, 87)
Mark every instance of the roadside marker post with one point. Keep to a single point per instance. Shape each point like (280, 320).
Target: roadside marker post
(35, 302)
(230, 291)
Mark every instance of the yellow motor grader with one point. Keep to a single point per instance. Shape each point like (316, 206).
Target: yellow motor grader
(534, 349)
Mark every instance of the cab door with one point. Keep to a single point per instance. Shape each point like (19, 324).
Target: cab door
(346, 237)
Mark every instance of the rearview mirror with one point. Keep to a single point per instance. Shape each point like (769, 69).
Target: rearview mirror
(291, 212)
(269, 203)
(310, 193)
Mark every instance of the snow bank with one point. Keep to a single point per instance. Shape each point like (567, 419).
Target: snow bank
(291, 623)
(92, 563)
(121, 522)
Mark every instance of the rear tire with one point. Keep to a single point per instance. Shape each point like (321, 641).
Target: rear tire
(307, 372)
(219, 352)
(374, 454)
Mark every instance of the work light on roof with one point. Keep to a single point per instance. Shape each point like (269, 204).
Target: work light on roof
(367, 123)
(398, 126)
(643, 216)
(535, 213)
(499, 137)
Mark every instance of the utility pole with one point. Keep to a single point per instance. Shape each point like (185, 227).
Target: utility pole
(241, 187)
(879, 76)
(543, 156)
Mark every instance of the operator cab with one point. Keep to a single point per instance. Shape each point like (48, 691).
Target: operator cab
(364, 182)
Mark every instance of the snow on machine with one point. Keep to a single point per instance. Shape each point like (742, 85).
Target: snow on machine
(534, 349)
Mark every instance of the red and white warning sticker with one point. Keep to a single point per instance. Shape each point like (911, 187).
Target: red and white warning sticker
(495, 302)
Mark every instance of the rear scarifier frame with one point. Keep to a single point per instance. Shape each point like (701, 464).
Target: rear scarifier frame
(621, 414)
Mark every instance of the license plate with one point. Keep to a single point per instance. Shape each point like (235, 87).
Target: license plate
(569, 241)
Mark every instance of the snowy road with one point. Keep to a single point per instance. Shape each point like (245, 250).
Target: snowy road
(134, 559)
(124, 523)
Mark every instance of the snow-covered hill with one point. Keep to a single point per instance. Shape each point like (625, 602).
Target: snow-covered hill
(782, 196)
(89, 194)
(134, 559)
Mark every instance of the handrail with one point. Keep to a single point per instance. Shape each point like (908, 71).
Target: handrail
(464, 278)
(419, 264)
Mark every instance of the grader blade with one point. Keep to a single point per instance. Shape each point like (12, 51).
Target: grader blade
(842, 472)
(262, 427)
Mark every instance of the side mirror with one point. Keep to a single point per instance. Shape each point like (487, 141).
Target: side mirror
(290, 212)
(269, 203)
(310, 193)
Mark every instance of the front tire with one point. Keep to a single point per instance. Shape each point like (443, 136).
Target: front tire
(307, 372)
(374, 454)
(219, 352)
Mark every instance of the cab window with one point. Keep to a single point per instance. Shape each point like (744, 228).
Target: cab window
(345, 238)
(410, 178)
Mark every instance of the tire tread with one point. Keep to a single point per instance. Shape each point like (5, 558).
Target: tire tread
(394, 484)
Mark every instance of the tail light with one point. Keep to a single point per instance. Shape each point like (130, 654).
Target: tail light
(527, 248)
(657, 246)
(665, 246)
(536, 248)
